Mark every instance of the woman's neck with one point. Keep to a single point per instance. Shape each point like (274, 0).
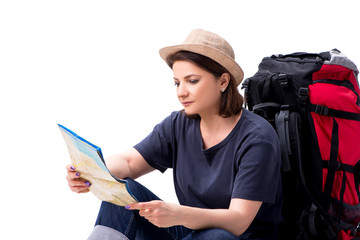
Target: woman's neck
(215, 128)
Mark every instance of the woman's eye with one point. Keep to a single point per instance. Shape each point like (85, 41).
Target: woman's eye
(176, 84)
(193, 81)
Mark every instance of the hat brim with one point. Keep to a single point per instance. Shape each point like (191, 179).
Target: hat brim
(218, 56)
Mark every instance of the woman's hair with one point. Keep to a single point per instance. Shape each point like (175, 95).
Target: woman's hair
(231, 100)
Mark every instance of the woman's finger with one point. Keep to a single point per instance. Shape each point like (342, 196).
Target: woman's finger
(79, 185)
(73, 175)
(70, 168)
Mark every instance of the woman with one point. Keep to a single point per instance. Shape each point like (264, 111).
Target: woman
(225, 159)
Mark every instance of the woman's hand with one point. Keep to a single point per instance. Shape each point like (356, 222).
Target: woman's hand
(159, 213)
(76, 183)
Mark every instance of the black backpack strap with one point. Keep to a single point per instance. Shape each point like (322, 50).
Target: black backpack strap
(325, 111)
(357, 177)
(266, 104)
(282, 129)
(333, 163)
(245, 86)
(341, 166)
(311, 220)
(286, 89)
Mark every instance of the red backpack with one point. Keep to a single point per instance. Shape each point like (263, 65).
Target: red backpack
(313, 102)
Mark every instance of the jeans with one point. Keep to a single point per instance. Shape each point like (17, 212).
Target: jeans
(133, 226)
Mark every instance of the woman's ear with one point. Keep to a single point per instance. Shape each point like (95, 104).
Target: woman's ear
(224, 81)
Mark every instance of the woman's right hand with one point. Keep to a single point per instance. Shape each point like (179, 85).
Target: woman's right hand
(76, 183)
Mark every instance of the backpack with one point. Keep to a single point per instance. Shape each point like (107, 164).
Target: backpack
(312, 101)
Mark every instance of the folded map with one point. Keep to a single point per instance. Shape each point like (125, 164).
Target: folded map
(89, 162)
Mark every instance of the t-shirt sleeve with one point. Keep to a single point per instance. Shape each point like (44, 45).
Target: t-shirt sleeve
(258, 172)
(157, 147)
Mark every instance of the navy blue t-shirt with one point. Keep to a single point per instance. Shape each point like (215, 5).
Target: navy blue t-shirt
(246, 164)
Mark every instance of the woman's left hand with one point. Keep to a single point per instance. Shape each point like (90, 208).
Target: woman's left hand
(159, 213)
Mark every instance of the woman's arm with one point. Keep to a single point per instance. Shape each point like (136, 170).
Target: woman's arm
(129, 164)
(236, 219)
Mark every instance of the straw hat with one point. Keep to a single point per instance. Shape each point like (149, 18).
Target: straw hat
(210, 45)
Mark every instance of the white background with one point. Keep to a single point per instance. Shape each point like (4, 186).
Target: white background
(94, 67)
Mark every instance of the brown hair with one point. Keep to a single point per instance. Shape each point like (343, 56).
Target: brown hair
(231, 100)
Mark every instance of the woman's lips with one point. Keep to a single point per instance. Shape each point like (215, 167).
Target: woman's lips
(186, 103)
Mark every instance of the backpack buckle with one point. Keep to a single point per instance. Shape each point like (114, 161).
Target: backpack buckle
(283, 80)
(303, 94)
(245, 84)
(322, 110)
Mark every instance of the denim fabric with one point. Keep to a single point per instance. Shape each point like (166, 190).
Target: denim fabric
(133, 226)
(106, 233)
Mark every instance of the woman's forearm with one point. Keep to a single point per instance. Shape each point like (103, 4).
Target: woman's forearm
(228, 219)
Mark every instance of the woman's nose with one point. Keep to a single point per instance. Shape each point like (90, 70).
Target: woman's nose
(181, 91)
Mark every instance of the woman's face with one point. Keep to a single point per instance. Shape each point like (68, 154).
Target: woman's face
(197, 90)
